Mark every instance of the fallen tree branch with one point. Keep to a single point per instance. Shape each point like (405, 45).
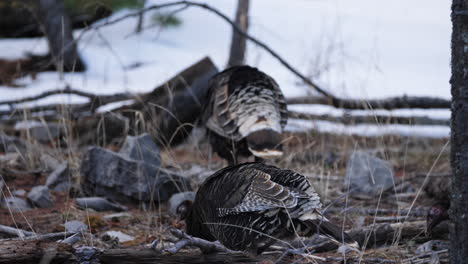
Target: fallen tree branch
(378, 234)
(427, 257)
(372, 119)
(204, 245)
(233, 25)
(328, 98)
(387, 103)
(101, 99)
(11, 231)
(44, 237)
(417, 212)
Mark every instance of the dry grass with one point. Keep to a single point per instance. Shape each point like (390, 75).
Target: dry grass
(322, 157)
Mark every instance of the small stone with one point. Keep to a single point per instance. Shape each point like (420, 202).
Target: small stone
(48, 162)
(367, 175)
(87, 255)
(59, 180)
(75, 226)
(40, 197)
(12, 144)
(46, 132)
(16, 204)
(122, 237)
(10, 159)
(19, 192)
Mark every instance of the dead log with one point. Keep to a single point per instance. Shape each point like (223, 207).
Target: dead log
(171, 109)
(132, 256)
(415, 212)
(386, 233)
(372, 119)
(33, 251)
(387, 103)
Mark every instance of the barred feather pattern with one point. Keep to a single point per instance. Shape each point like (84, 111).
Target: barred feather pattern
(251, 205)
(244, 100)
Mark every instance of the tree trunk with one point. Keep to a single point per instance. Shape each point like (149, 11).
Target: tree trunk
(459, 137)
(238, 42)
(57, 27)
(141, 16)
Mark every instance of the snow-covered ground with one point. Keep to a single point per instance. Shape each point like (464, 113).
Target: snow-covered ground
(353, 48)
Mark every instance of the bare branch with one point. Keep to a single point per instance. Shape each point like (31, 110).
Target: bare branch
(204, 245)
(15, 231)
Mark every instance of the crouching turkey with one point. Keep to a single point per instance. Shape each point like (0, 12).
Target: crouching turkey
(248, 207)
(245, 115)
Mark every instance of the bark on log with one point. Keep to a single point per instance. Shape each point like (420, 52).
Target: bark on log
(238, 42)
(171, 109)
(381, 234)
(459, 138)
(33, 251)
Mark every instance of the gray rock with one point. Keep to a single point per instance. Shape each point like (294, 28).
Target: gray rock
(115, 176)
(12, 144)
(99, 204)
(180, 203)
(368, 175)
(16, 204)
(87, 255)
(40, 197)
(60, 179)
(10, 159)
(20, 192)
(48, 162)
(46, 132)
(75, 226)
(142, 148)
(122, 237)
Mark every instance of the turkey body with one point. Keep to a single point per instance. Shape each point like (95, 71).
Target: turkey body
(245, 115)
(252, 205)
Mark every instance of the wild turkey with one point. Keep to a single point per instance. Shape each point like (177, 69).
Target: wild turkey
(439, 190)
(251, 205)
(245, 115)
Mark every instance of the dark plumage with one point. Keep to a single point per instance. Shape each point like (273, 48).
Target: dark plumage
(439, 190)
(251, 205)
(245, 115)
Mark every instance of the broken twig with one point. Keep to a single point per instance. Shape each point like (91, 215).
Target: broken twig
(204, 245)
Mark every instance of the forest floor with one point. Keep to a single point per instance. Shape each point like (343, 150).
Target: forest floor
(321, 157)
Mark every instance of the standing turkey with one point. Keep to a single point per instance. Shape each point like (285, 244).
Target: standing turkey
(248, 207)
(245, 115)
